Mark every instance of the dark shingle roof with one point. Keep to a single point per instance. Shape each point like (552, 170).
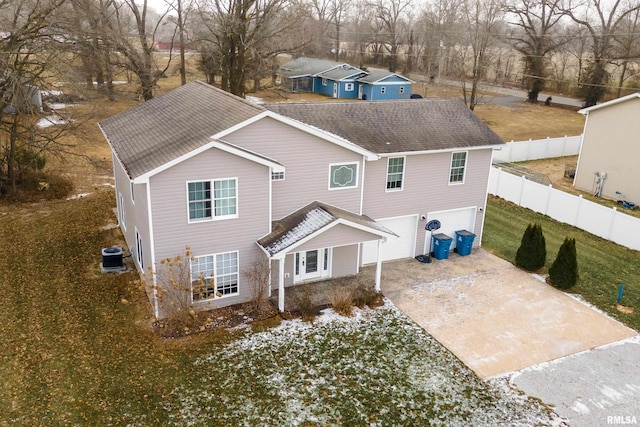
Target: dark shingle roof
(396, 126)
(309, 219)
(304, 66)
(375, 74)
(171, 125)
(341, 73)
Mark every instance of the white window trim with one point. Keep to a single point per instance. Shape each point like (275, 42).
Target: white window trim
(402, 89)
(215, 275)
(139, 252)
(356, 176)
(324, 81)
(122, 211)
(278, 174)
(383, 90)
(349, 87)
(464, 170)
(404, 168)
(213, 200)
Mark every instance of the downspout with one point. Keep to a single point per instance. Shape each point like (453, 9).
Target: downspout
(156, 309)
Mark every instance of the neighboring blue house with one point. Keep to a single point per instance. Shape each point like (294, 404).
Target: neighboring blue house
(341, 80)
(379, 85)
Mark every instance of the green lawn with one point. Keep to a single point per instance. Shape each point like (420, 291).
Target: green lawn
(602, 265)
(76, 349)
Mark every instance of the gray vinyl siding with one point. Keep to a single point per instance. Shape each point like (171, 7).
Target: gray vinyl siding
(345, 261)
(306, 159)
(170, 214)
(426, 188)
(339, 235)
(611, 144)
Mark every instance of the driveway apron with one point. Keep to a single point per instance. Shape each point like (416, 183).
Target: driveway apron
(494, 317)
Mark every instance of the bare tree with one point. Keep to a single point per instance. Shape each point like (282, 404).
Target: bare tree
(535, 39)
(626, 46)
(602, 19)
(243, 33)
(390, 13)
(482, 19)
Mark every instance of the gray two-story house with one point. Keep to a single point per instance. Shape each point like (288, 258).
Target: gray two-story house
(319, 189)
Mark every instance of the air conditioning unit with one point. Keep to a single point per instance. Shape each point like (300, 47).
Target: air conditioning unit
(112, 259)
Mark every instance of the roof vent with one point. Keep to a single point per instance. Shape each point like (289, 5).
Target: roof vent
(112, 259)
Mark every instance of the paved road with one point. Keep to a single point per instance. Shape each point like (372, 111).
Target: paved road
(519, 94)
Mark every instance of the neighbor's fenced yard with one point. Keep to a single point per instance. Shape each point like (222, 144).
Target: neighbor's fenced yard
(602, 221)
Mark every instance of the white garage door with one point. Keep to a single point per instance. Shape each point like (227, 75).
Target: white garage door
(402, 247)
(454, 220)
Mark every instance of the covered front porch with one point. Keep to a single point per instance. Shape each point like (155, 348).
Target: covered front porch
(319, 242)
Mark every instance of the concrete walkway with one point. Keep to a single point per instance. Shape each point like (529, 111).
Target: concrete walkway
(494, 317)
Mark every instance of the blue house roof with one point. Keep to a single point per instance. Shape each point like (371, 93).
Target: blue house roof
(376, 75)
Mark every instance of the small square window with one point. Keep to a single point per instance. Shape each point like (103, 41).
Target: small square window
(349, 87)
(324, 82)
(401, 89)
(277, 176)
(383, 90)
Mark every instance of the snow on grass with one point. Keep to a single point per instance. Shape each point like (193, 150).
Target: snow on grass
(375, 368)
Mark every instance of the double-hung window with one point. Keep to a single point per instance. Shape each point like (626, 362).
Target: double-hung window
(395, 173)
(214, 276)
(458, 164)
(217, 199)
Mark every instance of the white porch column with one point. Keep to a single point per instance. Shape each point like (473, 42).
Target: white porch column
(379, 266)
(281, 285)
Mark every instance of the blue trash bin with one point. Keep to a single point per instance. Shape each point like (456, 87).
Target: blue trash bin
(464, 242)
(440, 247)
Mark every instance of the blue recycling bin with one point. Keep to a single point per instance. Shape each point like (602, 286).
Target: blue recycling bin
(464, 242)
(440, 247)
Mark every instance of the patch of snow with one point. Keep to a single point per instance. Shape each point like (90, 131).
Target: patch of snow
(312, 221)
(58, 105)
(51, 92)
(580, 408)
(45, 122)
(254, 99)
(77, 196)
(540, 277)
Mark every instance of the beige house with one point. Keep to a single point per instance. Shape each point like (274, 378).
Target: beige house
(610, 150)
(320, 189)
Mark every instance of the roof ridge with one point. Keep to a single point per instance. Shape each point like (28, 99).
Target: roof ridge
(229, 94)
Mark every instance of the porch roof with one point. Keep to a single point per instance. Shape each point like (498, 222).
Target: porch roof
(311, 221)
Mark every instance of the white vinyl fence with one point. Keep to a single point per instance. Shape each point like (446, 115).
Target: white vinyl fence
(521, 151)
(602, 221)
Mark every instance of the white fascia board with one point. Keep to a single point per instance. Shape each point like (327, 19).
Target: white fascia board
(283, 253)
(114, 152)
(144, 178)
(443, 150)
(303, 127)
(609, 103)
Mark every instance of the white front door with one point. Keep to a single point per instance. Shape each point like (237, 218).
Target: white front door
(311, 265)
(360, 87)
(335, 90)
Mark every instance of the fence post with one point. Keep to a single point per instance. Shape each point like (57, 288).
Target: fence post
(614, 214)
(575, 222)
(522, 181)
(549, 192)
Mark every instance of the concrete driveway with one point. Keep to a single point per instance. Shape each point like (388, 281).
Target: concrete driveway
(494, 317)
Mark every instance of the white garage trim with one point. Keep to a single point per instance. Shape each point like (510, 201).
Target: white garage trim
(451, 221)
(402, 247)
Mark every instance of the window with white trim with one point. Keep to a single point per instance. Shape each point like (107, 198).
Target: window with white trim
(348, 87)
(139, 255)
(122, 213)
(324, 81)
(277, 176)
(343, 175)
(383, 90)
(458, 164)
(212, 199)
(401, 89)
(214, 276)
(395, 173)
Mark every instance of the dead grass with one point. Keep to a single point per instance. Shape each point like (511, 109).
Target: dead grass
(530, 121)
